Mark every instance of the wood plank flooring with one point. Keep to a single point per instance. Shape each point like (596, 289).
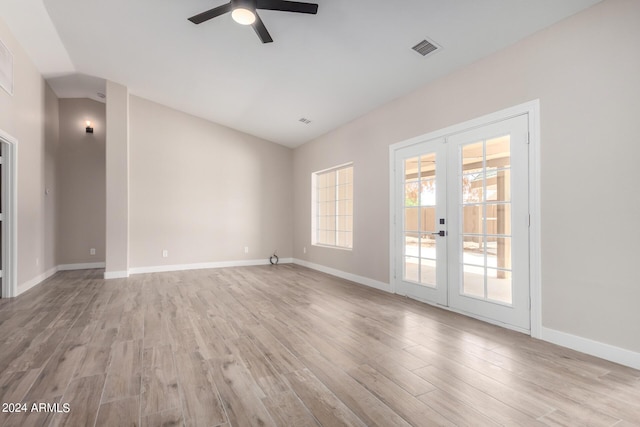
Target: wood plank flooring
(283, 346)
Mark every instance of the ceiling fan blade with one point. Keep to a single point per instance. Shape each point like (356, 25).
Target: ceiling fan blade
(261, 30)
(287, 6)
(210, 14)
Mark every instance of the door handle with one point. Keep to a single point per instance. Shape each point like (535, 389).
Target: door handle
(440, 233)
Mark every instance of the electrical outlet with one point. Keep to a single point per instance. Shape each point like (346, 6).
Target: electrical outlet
(37, 261)
(165, 253)
(304, 250)
(92, 251)
(246, 249)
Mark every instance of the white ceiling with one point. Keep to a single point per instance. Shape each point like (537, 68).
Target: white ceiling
(331, 68)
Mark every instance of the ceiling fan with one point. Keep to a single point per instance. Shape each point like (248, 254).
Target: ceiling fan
(245, 12)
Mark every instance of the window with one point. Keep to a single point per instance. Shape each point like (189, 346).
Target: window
(332, 212)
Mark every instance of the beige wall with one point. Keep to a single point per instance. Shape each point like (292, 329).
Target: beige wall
(81, 182)
(23, 116)
(117, 181)
(203, 191)
(585, 72)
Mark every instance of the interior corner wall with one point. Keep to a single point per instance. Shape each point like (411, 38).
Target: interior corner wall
(23, 115)
(81, 182)
(204, 192)
(585, 72)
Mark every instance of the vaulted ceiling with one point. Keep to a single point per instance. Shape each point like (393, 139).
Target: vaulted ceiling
(329, 68)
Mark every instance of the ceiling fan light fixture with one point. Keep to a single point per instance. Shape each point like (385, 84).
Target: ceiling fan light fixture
(244, 13)
(243, 16)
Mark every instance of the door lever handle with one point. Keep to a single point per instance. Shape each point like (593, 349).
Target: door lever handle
(440, 233)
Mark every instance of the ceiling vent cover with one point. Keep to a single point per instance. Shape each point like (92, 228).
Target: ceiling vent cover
(425, 47)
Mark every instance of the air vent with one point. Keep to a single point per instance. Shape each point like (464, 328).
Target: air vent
(425, 47)
(305, 121)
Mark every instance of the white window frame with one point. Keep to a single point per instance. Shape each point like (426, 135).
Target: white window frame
(314, 206)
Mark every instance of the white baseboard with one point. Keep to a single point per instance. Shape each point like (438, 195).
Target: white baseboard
(344, 275)
(81, 266)
(36, 280)
(116, 274)
(594, 348)
(204, 265)
(63, 267)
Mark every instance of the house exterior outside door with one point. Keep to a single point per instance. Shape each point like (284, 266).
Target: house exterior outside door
(461, 221)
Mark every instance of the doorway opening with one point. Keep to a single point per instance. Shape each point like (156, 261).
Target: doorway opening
(8, 215)
(463, 200)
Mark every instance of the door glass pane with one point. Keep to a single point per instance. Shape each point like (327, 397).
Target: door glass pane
(472, 219)
(498, 152)
(428, 165)
(412, 244)
(411, 169)
(428, 192)
(411, 271)
(428, 246)
(411, 193)
(473, 188)
(473, 250)
(473, 281)
(411, 219)
(472, 156)
(428, 272)
(427, 219)
(499, 285)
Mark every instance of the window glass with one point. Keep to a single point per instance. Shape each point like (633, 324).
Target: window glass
(332, 216)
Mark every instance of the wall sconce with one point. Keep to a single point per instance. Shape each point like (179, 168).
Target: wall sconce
(89, 128)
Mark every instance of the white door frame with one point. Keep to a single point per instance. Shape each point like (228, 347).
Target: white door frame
(532, 110)
(9, 147)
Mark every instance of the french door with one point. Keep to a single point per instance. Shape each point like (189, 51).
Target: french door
(462, 222)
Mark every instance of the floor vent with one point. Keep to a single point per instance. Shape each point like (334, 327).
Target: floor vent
(425, 47)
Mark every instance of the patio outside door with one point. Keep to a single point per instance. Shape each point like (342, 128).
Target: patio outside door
(462, 222)
(421, 221)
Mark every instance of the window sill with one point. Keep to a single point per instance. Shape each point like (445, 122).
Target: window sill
(341, 248)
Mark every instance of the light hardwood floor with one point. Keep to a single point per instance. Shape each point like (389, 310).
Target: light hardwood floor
(286, 346)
